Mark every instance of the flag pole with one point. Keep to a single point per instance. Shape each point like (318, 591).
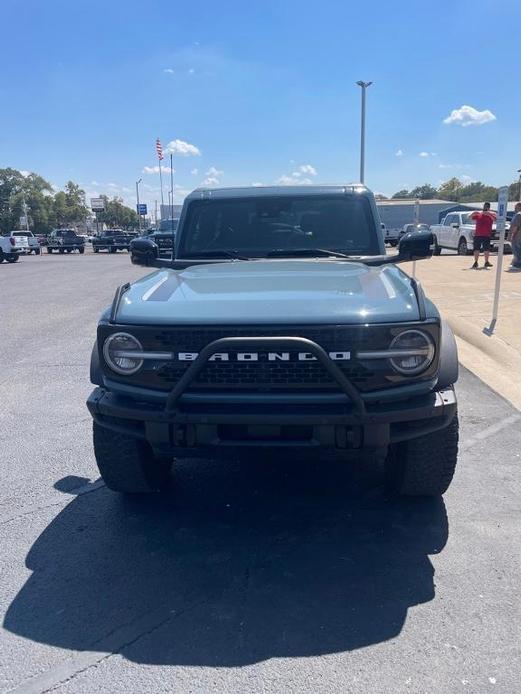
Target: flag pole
(172, 193)
(161, 181)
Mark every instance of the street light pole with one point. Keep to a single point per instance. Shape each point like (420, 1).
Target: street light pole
(137, 206)
(364, 86)
(519, 191)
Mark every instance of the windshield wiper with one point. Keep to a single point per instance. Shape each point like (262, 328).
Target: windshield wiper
(217, 253)
(319, 252)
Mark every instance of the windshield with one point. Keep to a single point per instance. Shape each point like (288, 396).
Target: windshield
(258, 226)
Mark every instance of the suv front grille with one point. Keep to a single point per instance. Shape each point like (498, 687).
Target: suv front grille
(264, 375)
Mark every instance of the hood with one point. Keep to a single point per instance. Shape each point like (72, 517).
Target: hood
(271, 292)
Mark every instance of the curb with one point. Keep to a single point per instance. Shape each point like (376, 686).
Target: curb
(494, 361)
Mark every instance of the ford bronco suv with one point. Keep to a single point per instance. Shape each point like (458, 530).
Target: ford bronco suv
(280, 326)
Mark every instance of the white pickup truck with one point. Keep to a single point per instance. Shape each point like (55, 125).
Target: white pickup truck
(8, 249)
(456, 232)
(26, 240)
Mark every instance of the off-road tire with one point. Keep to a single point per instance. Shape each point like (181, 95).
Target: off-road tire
(95, 249)
(50, 250)
(2, 257)
(437, 248)
(424, 466)
(127, 464)
(81, 250)
(37, 251)
(13, 258)
(112, 250)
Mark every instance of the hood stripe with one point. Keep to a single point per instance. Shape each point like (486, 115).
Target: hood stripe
(163, 290)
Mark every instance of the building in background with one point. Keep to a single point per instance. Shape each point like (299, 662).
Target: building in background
(396, 213)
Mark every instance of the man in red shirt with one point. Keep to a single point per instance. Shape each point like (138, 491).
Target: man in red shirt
(484, 221)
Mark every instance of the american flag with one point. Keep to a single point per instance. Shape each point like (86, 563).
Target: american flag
(159, 149)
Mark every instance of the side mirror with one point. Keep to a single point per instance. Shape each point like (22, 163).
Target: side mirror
(143, 251)
(416, 245)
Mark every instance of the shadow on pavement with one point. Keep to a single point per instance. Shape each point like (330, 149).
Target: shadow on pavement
(239, 563)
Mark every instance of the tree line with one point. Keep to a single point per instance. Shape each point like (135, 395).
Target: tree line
(455, 190)
(47, 209)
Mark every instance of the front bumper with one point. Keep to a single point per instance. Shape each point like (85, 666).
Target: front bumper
(198, 427)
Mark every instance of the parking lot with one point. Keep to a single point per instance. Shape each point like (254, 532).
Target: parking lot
(261, 576)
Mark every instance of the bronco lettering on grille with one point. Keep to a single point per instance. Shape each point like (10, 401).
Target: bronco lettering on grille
(258, 356)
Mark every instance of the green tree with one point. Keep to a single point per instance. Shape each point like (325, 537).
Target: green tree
(450, 190)
(17, 188)
(404, 193)
(424, 192)
(117, 214)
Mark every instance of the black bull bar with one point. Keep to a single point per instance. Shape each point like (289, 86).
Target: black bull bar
(301, 343)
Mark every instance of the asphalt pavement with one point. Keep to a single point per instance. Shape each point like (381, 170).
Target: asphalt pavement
(258, 576)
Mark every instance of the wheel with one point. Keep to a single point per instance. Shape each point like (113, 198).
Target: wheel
(49, 250)
(37, 251)
(61, 250)
(69, 250)
(463, 248)
(81, 250)
(13, 258)
(112, 250)
(424, 466)
(96, 249)
(128, 464)
(2, 257)
(393, 244)
(437, 248)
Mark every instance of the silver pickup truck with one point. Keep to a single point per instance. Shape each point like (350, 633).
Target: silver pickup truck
(280, 327)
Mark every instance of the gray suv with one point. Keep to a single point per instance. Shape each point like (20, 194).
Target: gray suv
(280, 326)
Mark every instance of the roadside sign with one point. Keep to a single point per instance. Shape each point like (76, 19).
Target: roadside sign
(141, 208)
(502, 206)
(23, 222)
(97, 204)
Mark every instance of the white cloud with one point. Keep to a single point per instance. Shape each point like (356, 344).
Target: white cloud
(292, 180)
(466, 179)
(398, 153)
(307, 169)
(185, 149)
(155, 170)
(191, 71)
(210, 181)
(297, 177)
(212, 171)
(257, 184)
(423, 154)
(194, 172)
(468, 115)
(169, 71)
(94, 183)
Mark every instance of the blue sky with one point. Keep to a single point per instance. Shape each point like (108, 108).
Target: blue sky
(265, 91)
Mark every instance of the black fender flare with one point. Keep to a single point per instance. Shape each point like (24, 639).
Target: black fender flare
(448, 366)
(96, 374)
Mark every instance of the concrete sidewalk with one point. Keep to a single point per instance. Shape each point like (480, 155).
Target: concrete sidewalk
(465, 298)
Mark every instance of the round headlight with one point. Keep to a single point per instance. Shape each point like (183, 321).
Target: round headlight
(413, 352)
(118, 352)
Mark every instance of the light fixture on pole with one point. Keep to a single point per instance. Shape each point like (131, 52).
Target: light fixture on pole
(137, 205)
(363, 86)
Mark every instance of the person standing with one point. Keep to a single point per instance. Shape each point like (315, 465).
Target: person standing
(514, 237)
(482, 234)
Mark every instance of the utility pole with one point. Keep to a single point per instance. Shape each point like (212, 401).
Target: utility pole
(364, 86)
(519, 191)
(137, 205)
